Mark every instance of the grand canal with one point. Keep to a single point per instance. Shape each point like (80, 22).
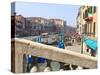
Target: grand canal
(39, 64)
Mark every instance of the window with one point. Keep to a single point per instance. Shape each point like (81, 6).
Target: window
(85, 29)
(86, 13)
(77, 26)
(90, 28)
(19, 26)
(94, 28)
(83, 16)
(33, 27)
(90, 9)
(94, 9)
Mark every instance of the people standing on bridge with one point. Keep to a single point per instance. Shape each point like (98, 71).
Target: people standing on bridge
(56, 66)
(29, 60)
(60, 41)
(41, 62)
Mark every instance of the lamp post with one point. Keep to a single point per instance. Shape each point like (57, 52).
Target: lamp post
(82, 44)
(82, 38)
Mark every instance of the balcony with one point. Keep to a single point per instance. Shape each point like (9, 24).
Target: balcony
(88, 17)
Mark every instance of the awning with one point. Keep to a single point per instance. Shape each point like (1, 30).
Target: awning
(91, 43)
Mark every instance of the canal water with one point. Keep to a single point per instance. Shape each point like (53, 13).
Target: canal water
(54, 66)
(48, 40)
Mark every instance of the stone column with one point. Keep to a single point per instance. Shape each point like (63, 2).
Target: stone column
(18, 58)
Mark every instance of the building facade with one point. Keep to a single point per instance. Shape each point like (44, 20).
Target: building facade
(42, 25)
(30, 26)
(22, 26)
(19, 25)
(87, 25)
(57, 25)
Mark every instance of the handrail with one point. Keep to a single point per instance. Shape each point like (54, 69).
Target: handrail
(23, 46)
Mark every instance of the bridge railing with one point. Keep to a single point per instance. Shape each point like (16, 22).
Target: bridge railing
(22, 46)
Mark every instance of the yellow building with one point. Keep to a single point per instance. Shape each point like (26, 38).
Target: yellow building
(87, 26)
(80, 21)
(90, 16)
(87, 21)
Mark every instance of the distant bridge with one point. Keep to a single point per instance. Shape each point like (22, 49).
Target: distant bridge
(23, 46)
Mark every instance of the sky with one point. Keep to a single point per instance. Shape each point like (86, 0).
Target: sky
(47, 10)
